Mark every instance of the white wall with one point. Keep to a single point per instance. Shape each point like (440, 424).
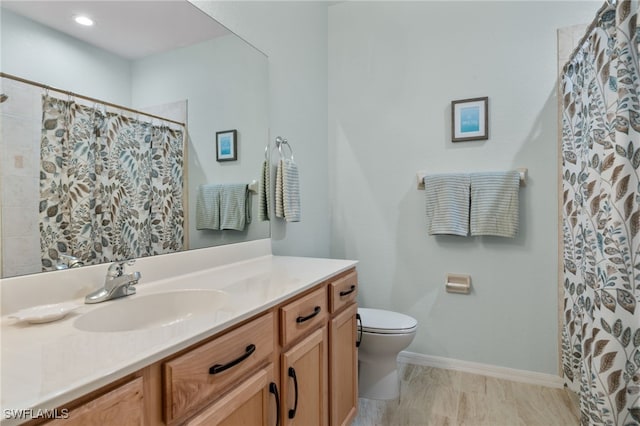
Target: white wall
(394, 68)
(294, 37)
(225, 83)
(35, 52)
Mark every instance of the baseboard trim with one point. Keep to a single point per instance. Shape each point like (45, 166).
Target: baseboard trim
(505, 373)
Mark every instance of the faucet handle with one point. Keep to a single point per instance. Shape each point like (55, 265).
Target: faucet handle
(116, 269)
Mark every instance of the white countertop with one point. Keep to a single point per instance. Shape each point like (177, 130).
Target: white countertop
(47, 365)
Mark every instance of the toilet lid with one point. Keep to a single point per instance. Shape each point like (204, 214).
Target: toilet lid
(386, 322)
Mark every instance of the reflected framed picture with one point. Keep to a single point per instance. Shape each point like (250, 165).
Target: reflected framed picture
(470, 119)
(227, 145)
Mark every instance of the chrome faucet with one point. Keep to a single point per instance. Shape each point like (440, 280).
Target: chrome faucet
(66, 261)
(116, 283)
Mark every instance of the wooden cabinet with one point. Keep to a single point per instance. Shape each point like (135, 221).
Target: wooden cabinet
(343, 353)
(343, 291)
(304, 381)
(324, 365)
(295, 363)
(343, 365)
(200, 375)
(122, 406)
(253, 402)
(299, 317)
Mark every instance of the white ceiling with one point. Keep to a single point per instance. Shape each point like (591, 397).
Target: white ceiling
(132, 29)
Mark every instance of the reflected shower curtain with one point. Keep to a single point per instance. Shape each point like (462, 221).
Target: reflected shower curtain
(110, 186)
(601, 220)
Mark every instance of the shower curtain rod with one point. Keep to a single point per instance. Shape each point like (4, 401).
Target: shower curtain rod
(87, 98)
(607, 4)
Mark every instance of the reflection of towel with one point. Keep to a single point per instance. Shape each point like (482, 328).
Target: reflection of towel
(235, 206)
(447, 204)
(265, 195)
(279, 191)
(494, 203)
(287, 191)
(208, 207)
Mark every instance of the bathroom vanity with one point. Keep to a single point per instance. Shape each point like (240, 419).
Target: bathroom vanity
(279, 348)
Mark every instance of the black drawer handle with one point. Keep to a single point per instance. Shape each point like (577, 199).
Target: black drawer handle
(316, 311)
(273, 388)
(359, 320)
(292, 374)
(219, 368)
(347, 292)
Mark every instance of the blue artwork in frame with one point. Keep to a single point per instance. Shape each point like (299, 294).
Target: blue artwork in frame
(227, 145)
(470, 119)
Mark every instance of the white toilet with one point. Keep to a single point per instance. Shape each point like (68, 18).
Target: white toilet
(384, 335)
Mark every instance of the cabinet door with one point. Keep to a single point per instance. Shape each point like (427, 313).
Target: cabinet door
(343, 364)
(123, 406)
(305, 382)
(252, 403)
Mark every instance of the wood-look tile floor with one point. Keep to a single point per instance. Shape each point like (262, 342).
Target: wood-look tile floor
(436, 397)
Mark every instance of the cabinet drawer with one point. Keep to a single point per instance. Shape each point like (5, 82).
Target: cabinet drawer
(343, 291)
(123, 406)
(195, 378)
(303, 315)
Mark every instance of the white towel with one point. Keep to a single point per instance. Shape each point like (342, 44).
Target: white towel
(235, 206)
(291, 191)
(264, 192)
(447, 198)
(279, 190)
(494, 203)
(208, 207)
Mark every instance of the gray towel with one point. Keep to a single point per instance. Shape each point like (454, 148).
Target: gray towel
(494, 203)
(447, 198)
(264, 192)
(208, 207)
(235, 206)
(291, 191)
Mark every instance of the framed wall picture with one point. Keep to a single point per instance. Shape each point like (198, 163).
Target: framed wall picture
(470, 119)
(227, 145)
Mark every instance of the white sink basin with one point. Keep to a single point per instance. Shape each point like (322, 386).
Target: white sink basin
(151, 311)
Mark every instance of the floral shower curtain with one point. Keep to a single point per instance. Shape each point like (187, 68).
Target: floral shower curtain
(601, 220)
(110, 186)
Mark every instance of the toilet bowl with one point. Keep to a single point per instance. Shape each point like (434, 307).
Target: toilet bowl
(384, 335)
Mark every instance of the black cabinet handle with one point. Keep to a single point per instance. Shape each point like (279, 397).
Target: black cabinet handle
(347, 292)
(273, 388)
(359, 320)
(219, 368)
(292, 374)
(316, 311)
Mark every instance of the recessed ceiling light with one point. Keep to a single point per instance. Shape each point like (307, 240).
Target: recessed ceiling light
(83, 20)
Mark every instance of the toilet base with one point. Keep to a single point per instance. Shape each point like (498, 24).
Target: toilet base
(377, 381)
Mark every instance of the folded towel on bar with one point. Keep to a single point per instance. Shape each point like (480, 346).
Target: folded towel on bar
(494, 203)
(447, 198)
(264, 192)
(208, 207)
(235, 206)
(288, 191)
(279, 191)
(291, 191)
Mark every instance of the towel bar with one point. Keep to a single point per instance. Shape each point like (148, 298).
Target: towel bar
(523, 177)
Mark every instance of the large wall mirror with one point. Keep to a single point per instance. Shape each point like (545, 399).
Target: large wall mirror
(142, 68)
